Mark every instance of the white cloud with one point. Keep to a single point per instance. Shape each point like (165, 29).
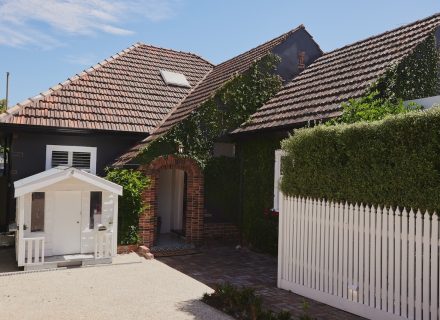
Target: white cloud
(37, 22)
(84, 60)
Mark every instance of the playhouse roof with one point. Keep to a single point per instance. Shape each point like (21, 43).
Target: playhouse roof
(54, 175)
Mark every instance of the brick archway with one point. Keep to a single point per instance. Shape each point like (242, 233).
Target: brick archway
(195, 198)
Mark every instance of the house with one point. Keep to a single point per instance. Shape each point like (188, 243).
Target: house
(315, 95)
(343, 74)
(65, 215)
(178, 182)
(90, 120)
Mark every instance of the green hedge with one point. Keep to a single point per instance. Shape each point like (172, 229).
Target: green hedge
(222, 189)
(258, 156)
(395, 161)
(130, 205)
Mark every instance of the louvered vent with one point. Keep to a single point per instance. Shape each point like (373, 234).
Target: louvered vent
(81, 160)
(60, 158)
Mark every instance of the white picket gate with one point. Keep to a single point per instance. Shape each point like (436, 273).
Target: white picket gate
(375, 262)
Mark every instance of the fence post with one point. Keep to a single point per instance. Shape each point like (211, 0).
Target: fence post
(280, 237)
(434, 267)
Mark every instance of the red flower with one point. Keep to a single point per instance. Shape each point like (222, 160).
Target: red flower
(275, 213)
(271, 213)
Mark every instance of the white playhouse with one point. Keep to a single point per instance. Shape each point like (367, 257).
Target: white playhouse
(65, 216)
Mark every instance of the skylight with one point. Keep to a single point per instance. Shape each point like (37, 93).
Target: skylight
(174, 79)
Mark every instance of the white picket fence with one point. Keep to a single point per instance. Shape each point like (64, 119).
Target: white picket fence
(375, 262)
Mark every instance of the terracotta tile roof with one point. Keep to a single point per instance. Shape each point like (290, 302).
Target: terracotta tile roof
(337, 76)
(207, 88)
(123, 93)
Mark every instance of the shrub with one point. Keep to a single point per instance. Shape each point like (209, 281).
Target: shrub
(2, 105)
(222, 188)
(393, 162)
(130, 204)
(258, 157)
(372, 107)
(241, 303)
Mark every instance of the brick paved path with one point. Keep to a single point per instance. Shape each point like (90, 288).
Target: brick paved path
(247, 268)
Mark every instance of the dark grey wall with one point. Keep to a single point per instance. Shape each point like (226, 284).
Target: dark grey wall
(288, 51)
(437, 37)
(28, 155)
(3, 199)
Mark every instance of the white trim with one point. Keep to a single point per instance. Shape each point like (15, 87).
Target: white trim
(277, 178)
(54, 175)
(426, 102)
(38, 233)
(115, 226)
(20, 224)
(70, 149)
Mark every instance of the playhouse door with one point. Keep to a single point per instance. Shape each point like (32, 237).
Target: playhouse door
(67, 223)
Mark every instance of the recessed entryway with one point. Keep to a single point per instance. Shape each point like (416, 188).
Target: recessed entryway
(171, 213)
(190, 195)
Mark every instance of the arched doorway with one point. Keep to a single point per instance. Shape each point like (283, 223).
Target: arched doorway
(172, 167)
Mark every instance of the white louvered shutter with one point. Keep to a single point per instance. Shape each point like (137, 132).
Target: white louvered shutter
(60, 158)
(83, 158)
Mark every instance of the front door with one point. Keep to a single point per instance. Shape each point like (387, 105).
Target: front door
(67, 223)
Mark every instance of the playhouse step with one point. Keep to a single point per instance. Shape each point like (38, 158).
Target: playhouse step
(74, 260)
(44, 266)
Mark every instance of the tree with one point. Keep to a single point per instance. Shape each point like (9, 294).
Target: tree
(2, 105)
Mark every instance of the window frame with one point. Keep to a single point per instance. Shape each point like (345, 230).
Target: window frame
(71, 149)
(279, 154)
(90, 208)
(31, 212)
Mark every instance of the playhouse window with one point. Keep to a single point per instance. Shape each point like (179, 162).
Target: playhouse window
(37, 212)
(95, 208)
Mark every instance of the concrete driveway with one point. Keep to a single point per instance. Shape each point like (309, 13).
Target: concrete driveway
(131, 288)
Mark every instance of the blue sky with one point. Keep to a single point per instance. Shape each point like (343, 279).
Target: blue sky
(43, 42)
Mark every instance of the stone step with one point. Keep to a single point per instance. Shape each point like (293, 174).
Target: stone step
(145, 252)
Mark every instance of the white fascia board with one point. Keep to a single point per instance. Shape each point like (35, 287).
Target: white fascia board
(98, 181)
(427, 102)
(52, 176)
(38, 176)
(40, 184)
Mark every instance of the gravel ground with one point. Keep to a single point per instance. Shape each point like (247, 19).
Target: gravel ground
(130, 288)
